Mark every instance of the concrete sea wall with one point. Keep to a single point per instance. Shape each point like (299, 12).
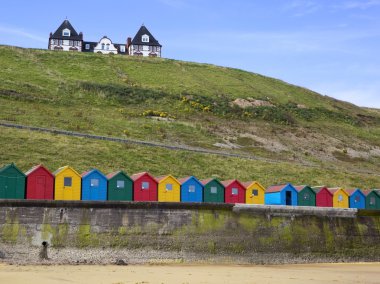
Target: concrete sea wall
(107, 232)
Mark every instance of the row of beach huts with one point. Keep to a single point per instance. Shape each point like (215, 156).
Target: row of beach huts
(67, 184)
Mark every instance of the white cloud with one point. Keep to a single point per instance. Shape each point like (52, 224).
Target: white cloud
(21, 33)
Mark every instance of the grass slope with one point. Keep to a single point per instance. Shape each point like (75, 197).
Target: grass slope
(116, 96)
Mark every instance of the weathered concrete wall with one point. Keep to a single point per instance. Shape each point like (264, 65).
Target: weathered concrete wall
(100, 232)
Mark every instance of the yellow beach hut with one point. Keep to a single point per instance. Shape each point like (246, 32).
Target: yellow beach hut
(169, 189)
(255, 192)
(67, 184)
(340, 198)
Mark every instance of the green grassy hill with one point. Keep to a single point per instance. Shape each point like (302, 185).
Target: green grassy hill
(307, 138)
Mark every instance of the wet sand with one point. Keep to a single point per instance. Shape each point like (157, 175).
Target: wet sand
(303, 273)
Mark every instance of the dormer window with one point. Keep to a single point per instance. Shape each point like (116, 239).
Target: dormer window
(145, 38)
(66, 32)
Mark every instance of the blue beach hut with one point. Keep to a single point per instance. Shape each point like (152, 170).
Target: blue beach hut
(356, 198)
(284, 194)
(94, 185)
(191, 189)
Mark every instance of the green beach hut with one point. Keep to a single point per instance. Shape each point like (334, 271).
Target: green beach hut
(213, 190)
(372, 199)
(306, 195)
(120, 187)
(12, 182)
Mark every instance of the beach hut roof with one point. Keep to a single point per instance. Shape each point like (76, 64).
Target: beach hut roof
(36, 168)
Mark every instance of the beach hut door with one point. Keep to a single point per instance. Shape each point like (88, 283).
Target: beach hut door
(40, 187)
(288, 198)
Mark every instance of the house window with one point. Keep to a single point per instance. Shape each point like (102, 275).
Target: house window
(145, 185)
(94, 182)
(60, 42)
(71, 43)
(306, 196)
(372, 201)
(214, 190)
(255, 192)
(340, 197)
(235, 191)
(191, 188)
(122, 48)
(66, 32)
(67, 181)
(87, 46)
(103, 45)
(145, 47)
(145, 38)
(169, 186)
(120, 184)
(107, 46)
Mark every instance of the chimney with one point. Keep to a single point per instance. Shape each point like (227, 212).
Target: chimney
(81, 35)
(129, 42)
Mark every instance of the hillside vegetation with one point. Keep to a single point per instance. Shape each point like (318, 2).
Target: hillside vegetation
(181, 103)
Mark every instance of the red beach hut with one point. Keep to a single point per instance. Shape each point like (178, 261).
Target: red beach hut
(324, 198)
(234, 191)
(144, 187)
(39, 183)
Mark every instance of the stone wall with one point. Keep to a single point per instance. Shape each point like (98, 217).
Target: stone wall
(106, 232)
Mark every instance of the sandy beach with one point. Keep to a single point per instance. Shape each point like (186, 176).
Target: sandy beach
(306, 273)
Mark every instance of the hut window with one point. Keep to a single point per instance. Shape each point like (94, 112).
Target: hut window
(145, 185)
(357, 199)
(255, 192)
(191, 188)
(214, 190)
(169, 186)
(340, 197)
(120, 184)
(66, 32)
(87, 46)
(306, 196)
(67, 181)
(94, 182)
(122, 48)
(372, 201)
(235, 191)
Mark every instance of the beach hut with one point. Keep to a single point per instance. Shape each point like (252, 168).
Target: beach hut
(356, 198)
(213, 190)
(120, 186)
(234, 191)
(324, 198)
(12, 182)
(94, 185)
(284, 194)
(39, 183)
(67, 184)
(306, 195)
(144, 187)
(372, 200)
(169, 189)
(340, 197)
(191, 189)
(255, 192)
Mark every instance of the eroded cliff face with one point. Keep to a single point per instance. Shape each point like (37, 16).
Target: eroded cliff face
(93, 232)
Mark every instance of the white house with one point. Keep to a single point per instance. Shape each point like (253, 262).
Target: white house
(144, 44)
(66, 38)
(105, 46)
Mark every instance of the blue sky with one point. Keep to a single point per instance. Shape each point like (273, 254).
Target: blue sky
(329, 46)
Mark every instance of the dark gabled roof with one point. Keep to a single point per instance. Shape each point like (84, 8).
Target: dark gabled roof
(144, 31)
(73, 33)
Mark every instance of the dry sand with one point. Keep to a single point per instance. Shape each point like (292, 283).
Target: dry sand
(306, 273)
